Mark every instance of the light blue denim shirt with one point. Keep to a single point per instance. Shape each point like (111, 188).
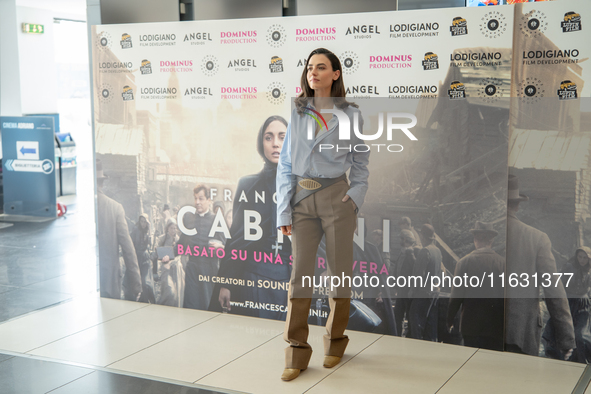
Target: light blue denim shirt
(302, 156)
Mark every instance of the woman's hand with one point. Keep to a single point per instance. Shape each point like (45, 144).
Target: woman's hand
(286, 230)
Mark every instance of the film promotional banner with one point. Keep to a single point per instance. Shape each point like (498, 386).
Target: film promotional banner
(190, 118)
(548, 219)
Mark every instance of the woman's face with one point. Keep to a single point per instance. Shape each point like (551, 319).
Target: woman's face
(172, 230)
(320, 73)
(273, 140)
(582, 258)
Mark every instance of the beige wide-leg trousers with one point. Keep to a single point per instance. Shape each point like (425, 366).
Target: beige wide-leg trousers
(322, 213)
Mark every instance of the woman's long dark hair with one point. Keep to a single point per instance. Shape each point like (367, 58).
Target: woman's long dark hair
(260, 146)
(338, 87)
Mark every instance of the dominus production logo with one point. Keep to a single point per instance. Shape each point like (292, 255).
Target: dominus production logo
(126, 41)
(530, 90)
(490, 90)
(457, 91)
(106, 93)
(276, 36)
(276, 65)
(210, 65)
(567, 90)
(349, 61)
(533, 24)
(571, 22)
(146, 67)
(459, 26)
(103, 41)
(493, 24)
(430, 61)
(276, 93)
(127, 93)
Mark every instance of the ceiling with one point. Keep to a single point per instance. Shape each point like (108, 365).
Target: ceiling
(73, 7)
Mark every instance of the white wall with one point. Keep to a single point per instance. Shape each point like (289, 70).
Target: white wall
(10, 93)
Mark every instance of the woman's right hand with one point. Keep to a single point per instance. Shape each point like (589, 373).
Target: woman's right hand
(286, 230)
(224, 298)
(165, 259)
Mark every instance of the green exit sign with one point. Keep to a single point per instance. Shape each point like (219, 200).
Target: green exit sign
(31, 28)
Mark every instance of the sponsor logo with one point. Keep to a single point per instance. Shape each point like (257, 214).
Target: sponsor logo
(533, 24)
(276, 36)
(103, 41)
(127, 93)
(238, 37)
(349, 62)
(491, 90)
(242, 64)
(198, 93)
(550, 56)
(363, 91)
(457, 91)
(412, 91)
(150, 93)
(210, 65)
(301, 63)
(493, 24)
(157, 40)
(106, 93)
(197, 38)
(126, 41)
(276, 65)
(459, 27)
(276, 93)
(475, 59)
(146, 67)
(530, 90)
(413, 30)
(179, 66)
(571, 22)
(316, 34)
(567, 90)
(115, 67)
(430, 61)
(360, 32)
(239, 93)
(390, 61)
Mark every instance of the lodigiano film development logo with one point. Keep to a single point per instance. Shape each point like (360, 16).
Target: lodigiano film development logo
(115, 67)
(103, 41)
(276, 65)
(414, 30)
(126, 41)
(430, 61)
(146, 67)
(276, 93)
(457, 91)
(158, 93)
(127, 93)
(106, 93)
(533, 24)
(349, 61)
(157, 40)
(493, 24)
(551, 56)
(567, 90)
(530, 90)
(571, 22)
(210, 65)
(413, 91)
(276, 36)
(491, 90)
(459, 26)
(475, 59)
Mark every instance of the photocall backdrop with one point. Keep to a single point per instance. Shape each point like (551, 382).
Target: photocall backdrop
(182, 104)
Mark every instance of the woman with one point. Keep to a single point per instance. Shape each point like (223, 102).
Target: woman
(319, 202)
(142, 243)
(172, 288)
(269, 142)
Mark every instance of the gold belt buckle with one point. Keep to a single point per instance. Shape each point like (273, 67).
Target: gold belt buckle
(309, 184)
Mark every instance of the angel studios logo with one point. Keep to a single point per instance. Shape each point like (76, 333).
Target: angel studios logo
(430, 61)
(533, 24)
(493, 24)
(106, 93)
(457, 91)
(530, 90)
(126, 41)
(459, 26)
(571, 22)
(349, 61)
(276, 93)
(127, 93)
(567, 90)
(103, 41)
(210, 65)
(275, 36)
(490, 90)
(146, 67)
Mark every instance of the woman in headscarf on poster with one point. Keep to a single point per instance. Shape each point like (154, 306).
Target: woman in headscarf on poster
(142, 242)
(172, 275)
(578, 292)
(269, 277)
